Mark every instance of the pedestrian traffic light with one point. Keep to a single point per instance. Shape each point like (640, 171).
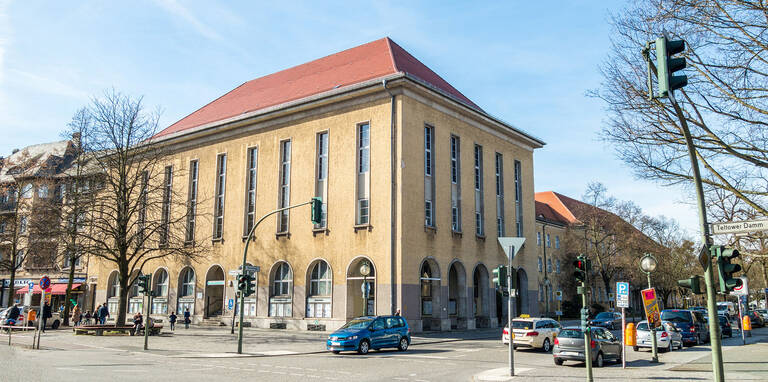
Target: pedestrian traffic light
(144, 284)
(695, 284)
(725, 269)
(666, 65)
(500, 277)
(582, 266)
(317, 210)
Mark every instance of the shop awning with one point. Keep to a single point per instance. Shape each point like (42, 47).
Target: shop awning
(57, 289)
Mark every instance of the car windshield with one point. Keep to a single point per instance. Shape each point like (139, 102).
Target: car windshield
(604, 316)
(358, 323)
(520, 324)
(642, 326)
(570, 333)
(723, 320)
(676, 316)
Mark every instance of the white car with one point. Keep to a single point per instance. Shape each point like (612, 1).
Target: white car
(52, 323)
(533, 333)
(667, 337)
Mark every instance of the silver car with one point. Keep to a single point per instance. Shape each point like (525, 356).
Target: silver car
(667, 337)
(569, 346)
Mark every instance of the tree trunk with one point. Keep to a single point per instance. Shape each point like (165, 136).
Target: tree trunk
(69, 292)
(11, 287)
(122, 304)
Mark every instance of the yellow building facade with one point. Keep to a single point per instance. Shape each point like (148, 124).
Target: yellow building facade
(417, 184)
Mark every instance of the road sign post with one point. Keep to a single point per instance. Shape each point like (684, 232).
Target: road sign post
(511, 245)
(622, 301)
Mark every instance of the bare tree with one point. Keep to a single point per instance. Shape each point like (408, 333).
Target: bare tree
(137, 216)
(725, 102)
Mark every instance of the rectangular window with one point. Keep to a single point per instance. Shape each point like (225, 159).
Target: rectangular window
(549, 265)
(284, 196)
(557, 266)
(538, 238)
(557, 242)
(191, 202)
(252, 155)
(429, 179)
(549, 242)
(455, 184)
(540, 264)
(363, 174)
(166, 212)
(142, 218)
(321, 178)
(518, 198)
(499, 167)
(479, 202)
(221, 185)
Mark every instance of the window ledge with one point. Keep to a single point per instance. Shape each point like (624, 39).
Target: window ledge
(189, 244)
(430, 229)
(458, 234)
(285, 234)
(219, 240)
(322, 230)
(359, 227)
(480, 237)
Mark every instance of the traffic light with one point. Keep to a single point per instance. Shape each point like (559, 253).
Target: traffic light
(582, 266)
(245, 284)
(666, 65)
(144, 284)
(695, 284)
(242, 281)
(317, 210)
(500, 277)
(725, 269)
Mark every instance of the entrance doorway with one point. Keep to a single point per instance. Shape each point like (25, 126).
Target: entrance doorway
(214, 291)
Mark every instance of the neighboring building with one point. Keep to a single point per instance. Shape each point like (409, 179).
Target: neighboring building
(552, 263)
(30, 201)
(418, 182)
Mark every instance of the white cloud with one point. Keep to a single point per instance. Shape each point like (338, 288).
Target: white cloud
(178, 10)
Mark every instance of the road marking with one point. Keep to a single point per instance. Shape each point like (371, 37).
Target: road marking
(277, 352)
(70, 369)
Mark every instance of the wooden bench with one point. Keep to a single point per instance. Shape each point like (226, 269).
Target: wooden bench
(155, 330)
(100, 329)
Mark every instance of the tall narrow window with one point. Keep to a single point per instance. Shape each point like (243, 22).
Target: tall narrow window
(479, 203)
(321, 179)
(191, 202)
(284, 198)
(250, 189)
(221, 185)
(429, 179)
(363, 174)
(500, 195)
(167, 184)
(142, 218)
(518, 198)
(455, 184)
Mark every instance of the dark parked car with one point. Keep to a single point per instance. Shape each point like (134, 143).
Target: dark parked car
(690, 323)
(569, 346)
(756, 319)
(725, 325)
(610, 320)
(371, 332)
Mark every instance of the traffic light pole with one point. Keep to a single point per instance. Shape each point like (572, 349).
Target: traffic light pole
(655, 352)
(245, 257)
(587, 334)
(714, 326)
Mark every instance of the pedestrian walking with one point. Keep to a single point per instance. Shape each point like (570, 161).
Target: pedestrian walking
(186, 319)
(103, 314)
(172, 319)
(46, 314)
(76, 316)
(87, 317)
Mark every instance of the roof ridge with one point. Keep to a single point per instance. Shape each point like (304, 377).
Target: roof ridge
(391, 53)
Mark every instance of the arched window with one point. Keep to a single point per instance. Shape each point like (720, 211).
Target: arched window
(186, 292)
(114, 285)
(160, 287)
(320, 290)
(280, 298)
(429, 278)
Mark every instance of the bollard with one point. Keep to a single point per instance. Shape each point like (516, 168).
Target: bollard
(630, 338)
(746, 326)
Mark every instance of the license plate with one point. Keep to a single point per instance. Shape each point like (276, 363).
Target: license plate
(570, 353)
(335, 343)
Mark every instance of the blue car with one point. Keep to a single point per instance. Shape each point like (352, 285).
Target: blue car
(371, 332)
(690, 323)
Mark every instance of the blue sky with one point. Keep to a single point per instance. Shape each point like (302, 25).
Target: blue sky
(528, 63)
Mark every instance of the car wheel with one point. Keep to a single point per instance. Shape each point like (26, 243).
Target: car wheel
(335, 351)
(403, 345)
(546, 346)
(635, 348)
(599, 361)
(55, 325)
(364, 347)
(558, 362)
(668, 348)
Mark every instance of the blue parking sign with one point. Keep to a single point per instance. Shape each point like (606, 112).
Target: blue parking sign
(622, 294)
(230, 303)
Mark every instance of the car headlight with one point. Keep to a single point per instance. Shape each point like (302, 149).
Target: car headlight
(352, 338)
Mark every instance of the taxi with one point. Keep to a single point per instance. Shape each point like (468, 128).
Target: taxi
(532, 332)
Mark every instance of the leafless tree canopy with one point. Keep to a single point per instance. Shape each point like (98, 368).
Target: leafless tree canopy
(135, 217)
(725, 102)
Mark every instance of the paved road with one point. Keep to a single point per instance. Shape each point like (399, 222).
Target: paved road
(299, 356)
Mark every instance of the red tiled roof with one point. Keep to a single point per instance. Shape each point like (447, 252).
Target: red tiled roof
(362, 63)
(543, 210)
(555, 202)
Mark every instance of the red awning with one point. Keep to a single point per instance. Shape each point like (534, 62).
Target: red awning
(57, 289)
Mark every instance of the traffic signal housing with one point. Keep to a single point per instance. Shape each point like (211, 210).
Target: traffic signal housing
(726, 270)
(582, 266)
(317, 210)
(695, 284)
(144, 284)
(666, 65)
(245, 284)
(500, 277)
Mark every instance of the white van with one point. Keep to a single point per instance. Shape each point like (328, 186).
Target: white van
(726, 309)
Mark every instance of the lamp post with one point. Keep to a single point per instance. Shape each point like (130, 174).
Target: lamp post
(365, 270)
(648, 264)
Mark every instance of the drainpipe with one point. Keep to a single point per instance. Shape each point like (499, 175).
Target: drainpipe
(393, 200)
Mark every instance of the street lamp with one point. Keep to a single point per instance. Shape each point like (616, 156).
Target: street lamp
(365, 270)
(648, 264)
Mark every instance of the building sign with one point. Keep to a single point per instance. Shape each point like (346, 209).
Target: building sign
(651, 307)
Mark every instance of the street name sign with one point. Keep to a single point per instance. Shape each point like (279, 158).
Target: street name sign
(622, 294)
(739, 227)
